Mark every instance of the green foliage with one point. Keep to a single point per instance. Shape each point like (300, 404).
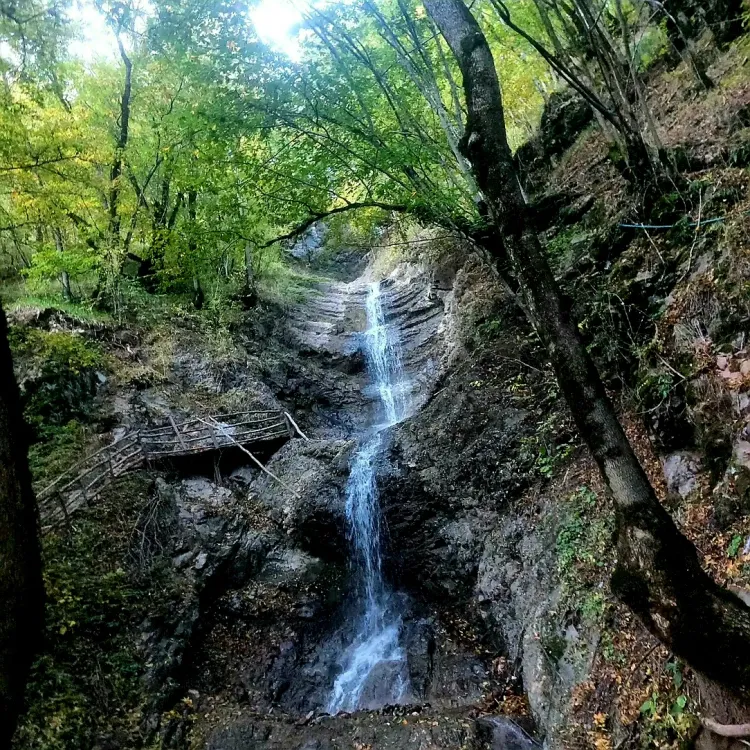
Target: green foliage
(281, 283)
(575, 544)
(549, 447)
(654, 387)
(584, 549)
(62, 448)
(48, 263)
(735, 546)
(80, 312)
(56, 350)
(488, 331)
(59, 380)
(652, 45)
(567, 244)
(667, 720)
(230, 144)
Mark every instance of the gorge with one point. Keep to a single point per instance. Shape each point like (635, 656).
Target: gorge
(352, 503)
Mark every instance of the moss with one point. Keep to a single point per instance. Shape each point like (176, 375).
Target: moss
(568, 245)
(53, 350)
(59, 378)
(553, 644)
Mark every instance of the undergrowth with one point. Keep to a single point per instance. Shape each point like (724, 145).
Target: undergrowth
(60, 377)
(86, 686)
(87, 677)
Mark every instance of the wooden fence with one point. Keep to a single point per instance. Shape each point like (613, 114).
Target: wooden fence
(201, 435)
(82, 482)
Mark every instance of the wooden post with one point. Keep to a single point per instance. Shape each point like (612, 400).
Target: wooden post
(177, 432)
(83, 490)
(64, 509)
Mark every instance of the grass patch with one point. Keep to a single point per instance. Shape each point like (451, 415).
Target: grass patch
(79, 311)
(65, 445)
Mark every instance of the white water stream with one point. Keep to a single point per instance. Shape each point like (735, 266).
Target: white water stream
(374, 670)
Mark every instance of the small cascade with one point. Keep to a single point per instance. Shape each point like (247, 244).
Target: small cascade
(374, 671)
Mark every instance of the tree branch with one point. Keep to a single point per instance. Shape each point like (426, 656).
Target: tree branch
(318, 216)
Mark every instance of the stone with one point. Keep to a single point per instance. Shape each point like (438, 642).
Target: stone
(681, 471)
(505, 734)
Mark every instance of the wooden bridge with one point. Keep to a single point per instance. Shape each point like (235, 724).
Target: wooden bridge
(82, 482)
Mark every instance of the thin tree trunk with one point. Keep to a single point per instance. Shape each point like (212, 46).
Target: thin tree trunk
(192, 207)
(659, 575)
(21, 587)
(115, 174)
(610, 97)
(64, 275)
(249, 272)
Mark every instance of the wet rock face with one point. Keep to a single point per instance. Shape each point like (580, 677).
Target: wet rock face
(564, 118)
(272, 608)
(449, 473)
(681, 472)
(308, 502)
(210, 551)
(404, 731)
(260, 565)
(327, 384)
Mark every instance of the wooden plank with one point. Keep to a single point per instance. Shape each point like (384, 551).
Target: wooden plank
(253, 434)
(64, 509)
(244, 413)
(247, 422)
(280, 433)
(183, 426)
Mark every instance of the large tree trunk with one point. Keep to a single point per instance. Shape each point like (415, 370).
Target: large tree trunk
(21, 588)
(659, 574)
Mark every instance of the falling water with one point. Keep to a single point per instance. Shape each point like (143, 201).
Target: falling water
(374, 665)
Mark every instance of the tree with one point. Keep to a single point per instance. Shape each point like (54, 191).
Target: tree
(658, 574)
(603, 68)
(21, 587)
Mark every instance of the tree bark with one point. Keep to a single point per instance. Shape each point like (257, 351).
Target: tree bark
(64, 275)
(658, 575)
(122, 142)
(21, 587)
(249, 271)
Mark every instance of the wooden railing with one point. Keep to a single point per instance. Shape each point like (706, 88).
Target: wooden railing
(83, 482)
(200, 435)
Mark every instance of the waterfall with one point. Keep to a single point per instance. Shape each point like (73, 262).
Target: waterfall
(374, 670)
